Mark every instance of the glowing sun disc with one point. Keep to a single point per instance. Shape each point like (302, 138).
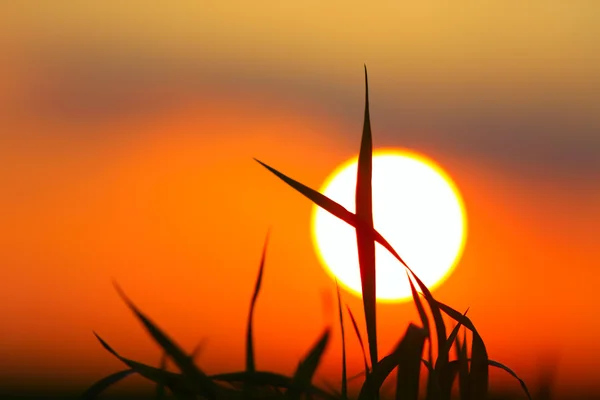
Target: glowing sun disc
(416, 207)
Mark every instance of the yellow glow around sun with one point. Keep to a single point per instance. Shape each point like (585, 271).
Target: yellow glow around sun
(416, 207)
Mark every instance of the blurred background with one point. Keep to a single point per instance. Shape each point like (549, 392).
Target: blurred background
(127, 131)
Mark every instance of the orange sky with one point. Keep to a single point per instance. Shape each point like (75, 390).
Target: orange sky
(178, 220)
(126, 146)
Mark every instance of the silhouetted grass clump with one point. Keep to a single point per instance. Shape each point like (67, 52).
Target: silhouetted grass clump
(406, 359)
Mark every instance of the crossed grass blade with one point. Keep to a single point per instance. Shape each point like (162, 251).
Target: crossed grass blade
(197, 379)
(103, 384)
(407, 355)
(344, 393)
(302, 378)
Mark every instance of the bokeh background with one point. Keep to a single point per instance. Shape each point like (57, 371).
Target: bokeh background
(127, 131)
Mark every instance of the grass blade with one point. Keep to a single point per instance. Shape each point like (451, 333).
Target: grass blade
(479, 371)
(198, 379)
(407, 355)
(409, 367)
(344, 394)
(511, 372)
(250, 364)
(365, 242)
(262, 378)
(463, 368)
(302, 379)
(160, 386)
(198, 349)
(97, 388)
(175, 382)
(360, 341)
(431, 377)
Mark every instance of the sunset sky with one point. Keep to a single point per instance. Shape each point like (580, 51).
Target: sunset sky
(127, 132)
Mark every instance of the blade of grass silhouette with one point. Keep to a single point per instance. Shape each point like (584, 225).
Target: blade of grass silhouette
(513, 374)
(496, 364)
(409, 367)
(197, 378)
(198, 349)
(407, 352)
(426, 326)
(339, 211)
(479, 371)
(463, 368)
(97, 388)
(262, 378)
(364, 239)
(175, 382)
(250, 365)
(360, 341)
(160, 386)
(344, 393)
(443, 370)
(306, 368)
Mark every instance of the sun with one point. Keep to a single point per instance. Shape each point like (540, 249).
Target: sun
(416, 207)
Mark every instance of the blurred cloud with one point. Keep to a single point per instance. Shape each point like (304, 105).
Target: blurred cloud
(518, 86)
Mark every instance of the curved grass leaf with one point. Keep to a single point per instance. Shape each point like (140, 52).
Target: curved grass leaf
(97, 388)
(250, 364)
(407, 355)
(503, 367)
(197, 379)
(302, 379)
(344, 393)
(360, 341)
(513, 374)
(175, 382)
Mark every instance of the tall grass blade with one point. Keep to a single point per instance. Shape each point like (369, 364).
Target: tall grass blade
(197, 378)
(365, 242)
(250, 364)
(360, 341)
(302, 379)
(160, 386)
(407, 355)
(97, 388)
(344, 393)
